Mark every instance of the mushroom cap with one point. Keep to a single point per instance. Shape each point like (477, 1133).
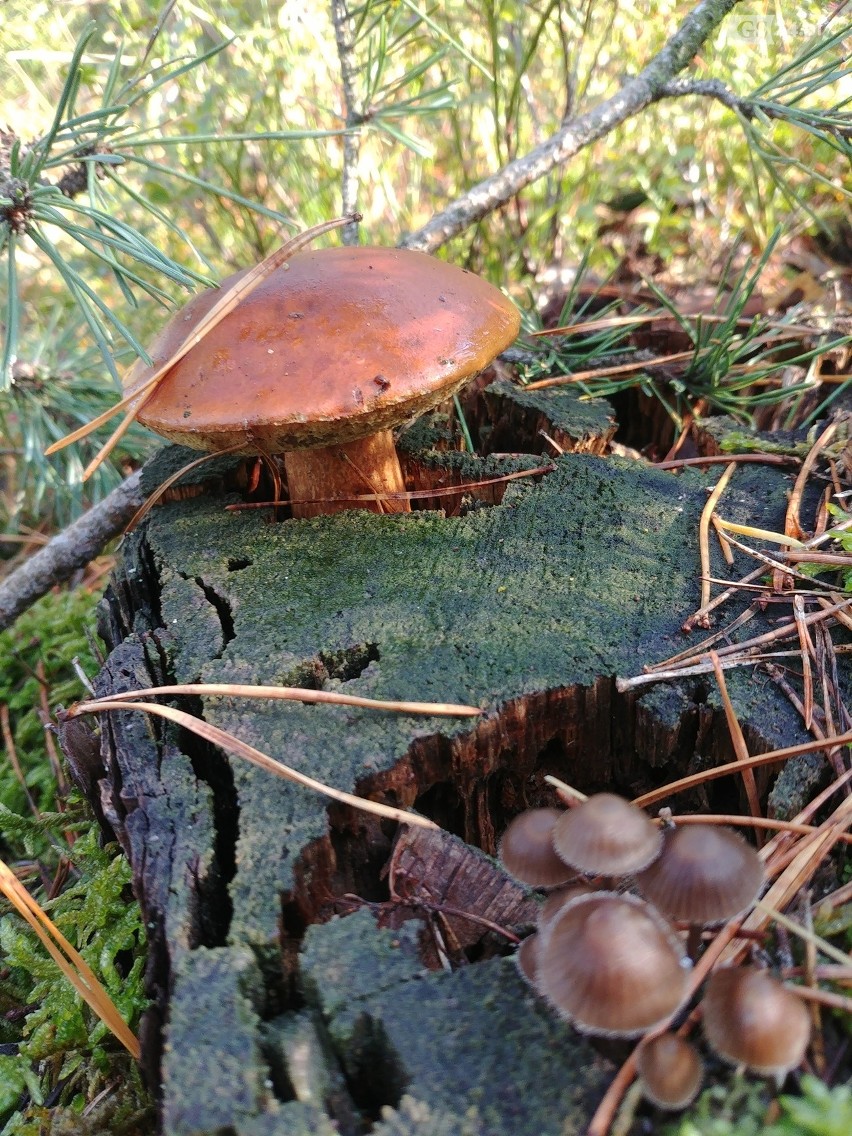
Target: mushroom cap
(557, 899)
(611, 965)
(526, 849)
(751, 1019)
(606, 835)
(671, 1071)
(337, 344)
(704, 874)
(526, 957)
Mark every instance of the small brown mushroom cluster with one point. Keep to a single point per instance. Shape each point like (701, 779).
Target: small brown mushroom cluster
(612, 962)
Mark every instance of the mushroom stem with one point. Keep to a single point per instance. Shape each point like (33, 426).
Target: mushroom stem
(329, 478)
(693, 941)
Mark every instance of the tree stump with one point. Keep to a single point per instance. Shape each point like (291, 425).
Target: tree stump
(277, 1009)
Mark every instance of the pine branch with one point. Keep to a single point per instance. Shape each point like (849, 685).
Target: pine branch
(749, 106)
(577, 133)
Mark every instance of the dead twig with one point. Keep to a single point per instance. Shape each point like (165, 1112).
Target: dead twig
(792, 520)
(576, 133)
(69, 550)
(776, 756)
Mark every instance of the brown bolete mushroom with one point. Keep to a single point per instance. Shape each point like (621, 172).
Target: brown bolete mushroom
(670, 1071)
(321, 360)
(611, 965)
(526, 849)
(704, 874)
(752, 1019)
(606, 836)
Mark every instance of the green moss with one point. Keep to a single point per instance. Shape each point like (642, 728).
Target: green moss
(59, 1042)
(566, 408)
(57, 1048)
(741, 1108)
(49, 635)
(475, 1043)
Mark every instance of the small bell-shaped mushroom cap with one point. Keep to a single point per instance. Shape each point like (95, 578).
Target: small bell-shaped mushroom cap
(704, 874)
(607, 836)
(751, 1019)
(336, 345)
(612, 965)
(557, 899)
(671, 1071)
(527, 849)
(526, 958)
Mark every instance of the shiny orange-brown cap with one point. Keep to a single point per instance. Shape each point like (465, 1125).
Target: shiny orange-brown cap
(705, 873)
(752, 1019)
(338, 344)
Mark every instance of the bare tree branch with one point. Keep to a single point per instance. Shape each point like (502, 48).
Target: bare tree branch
(69, 550)
(355, 117)
(647, 87)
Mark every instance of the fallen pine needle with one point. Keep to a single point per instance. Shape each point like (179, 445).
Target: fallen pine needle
(704, 530)
(699, 650)
(697, 618)
(748, 658)
(759, 534)
(738, 740)
(808, 652)
(70, 961)
(284, 693)
(567, 792)
(718, 459)
(821, 997)
(232, 744)
(801, 932)
(746, 822)
(776, 755)
(166, 485)
(621, 369)
(408, 495)
(793, 871)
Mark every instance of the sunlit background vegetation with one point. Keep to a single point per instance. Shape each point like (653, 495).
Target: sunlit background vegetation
(216, 161)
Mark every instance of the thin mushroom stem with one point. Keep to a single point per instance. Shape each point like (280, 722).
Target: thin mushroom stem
(693, 941)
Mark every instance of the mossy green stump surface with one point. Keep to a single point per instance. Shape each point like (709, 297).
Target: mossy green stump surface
(271, 1016)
